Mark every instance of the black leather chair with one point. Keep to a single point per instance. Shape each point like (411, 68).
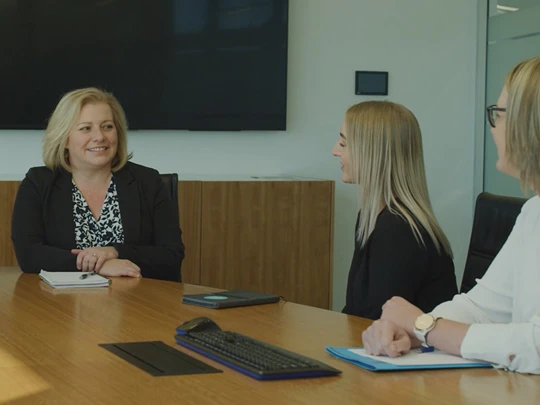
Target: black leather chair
(170, 180)
(494, 218)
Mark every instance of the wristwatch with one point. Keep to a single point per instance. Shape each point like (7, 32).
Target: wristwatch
(423, 325)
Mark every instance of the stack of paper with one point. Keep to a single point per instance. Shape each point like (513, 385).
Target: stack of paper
(72, 279)
(413, 360)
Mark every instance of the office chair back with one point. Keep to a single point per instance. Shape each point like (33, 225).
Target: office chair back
(170, 180)
(494, 218)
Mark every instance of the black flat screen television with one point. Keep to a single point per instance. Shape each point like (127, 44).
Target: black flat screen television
(173, 64)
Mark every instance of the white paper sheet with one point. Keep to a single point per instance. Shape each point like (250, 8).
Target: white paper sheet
(416, 358)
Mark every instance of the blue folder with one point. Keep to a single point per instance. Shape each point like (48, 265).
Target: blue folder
(368, 363)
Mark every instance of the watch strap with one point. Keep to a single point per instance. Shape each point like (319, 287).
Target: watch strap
(426, 344)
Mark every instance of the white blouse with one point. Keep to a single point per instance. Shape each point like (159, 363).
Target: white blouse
(504, 307)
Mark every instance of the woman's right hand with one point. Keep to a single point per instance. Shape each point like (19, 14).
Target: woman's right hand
(385, 338)
(120, 268)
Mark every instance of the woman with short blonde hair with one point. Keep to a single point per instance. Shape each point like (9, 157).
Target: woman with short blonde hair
(63, 118)
(523, 122)
(400, 247)
(89, 209)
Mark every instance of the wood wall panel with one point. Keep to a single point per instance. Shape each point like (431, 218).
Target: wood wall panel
(315, 243)
(8, 191)
(331, 246)
(269, 236)
(189, 210)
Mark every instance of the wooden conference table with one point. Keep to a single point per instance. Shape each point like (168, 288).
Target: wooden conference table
(49, 352)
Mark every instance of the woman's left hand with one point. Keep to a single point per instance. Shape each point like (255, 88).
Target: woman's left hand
(402, 313)
(92, 259)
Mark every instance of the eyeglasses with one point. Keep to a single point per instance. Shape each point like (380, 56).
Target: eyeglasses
(492, 114)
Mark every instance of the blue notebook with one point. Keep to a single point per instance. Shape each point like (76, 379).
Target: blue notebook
(413, 360)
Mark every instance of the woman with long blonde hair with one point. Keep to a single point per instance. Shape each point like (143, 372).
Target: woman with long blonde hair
(400, 248)
(498, 321)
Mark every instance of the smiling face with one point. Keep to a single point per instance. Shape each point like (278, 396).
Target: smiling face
(93, 142)
(340, 150)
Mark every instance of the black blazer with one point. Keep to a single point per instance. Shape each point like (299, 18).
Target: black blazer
(393, 263)
(43, 229)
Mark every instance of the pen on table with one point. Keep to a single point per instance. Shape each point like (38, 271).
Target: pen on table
(84, 275)
(424, 349)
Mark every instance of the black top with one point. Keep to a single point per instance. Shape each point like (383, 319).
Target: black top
(43, 227)
(393, 263)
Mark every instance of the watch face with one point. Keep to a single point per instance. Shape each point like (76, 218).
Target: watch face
(424, 322)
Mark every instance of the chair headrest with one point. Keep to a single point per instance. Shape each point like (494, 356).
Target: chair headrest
(494, 219)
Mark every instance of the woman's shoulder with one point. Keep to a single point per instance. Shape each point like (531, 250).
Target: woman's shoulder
(393, 227)
(39, 171)
(42, 179)
(148, 178)
(144, 175)
(531, 206)
(529, 218)
(139, 170)
(391, 219)
(40, 175)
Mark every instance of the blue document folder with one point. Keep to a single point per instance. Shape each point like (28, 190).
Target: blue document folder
(414, 360)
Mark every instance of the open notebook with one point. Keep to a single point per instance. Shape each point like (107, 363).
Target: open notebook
(73, 279)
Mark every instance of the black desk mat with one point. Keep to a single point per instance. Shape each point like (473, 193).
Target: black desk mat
(158, 359)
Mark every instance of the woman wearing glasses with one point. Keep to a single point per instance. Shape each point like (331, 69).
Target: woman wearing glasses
(400, 249)
(498, 321)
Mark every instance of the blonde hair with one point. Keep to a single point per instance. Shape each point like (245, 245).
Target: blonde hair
(385, 150)
(523, 122)
(64, 118)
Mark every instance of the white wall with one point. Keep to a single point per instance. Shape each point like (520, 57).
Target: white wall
(429, 48)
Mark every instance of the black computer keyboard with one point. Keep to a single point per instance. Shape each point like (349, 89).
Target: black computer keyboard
(252, 357)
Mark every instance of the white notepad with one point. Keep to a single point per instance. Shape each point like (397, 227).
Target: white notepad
(72, 279)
